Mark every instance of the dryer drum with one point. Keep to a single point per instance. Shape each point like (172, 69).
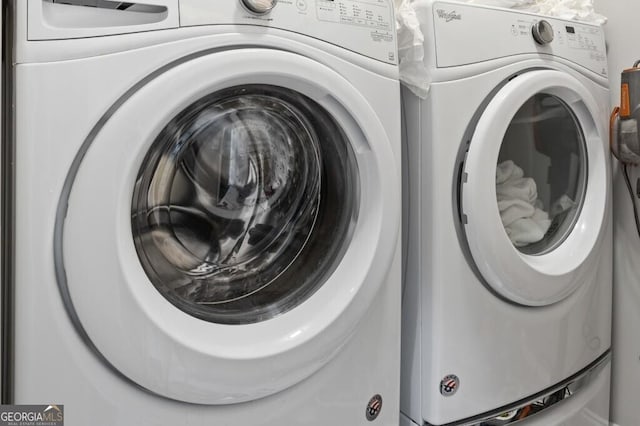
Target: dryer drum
(541, 174)
(244, 203)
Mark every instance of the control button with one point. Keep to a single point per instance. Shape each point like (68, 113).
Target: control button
(259, 7)
(542, 32)
(302, 5)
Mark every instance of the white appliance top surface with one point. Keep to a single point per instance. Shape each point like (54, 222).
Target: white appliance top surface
(467, 34)
(363, 26)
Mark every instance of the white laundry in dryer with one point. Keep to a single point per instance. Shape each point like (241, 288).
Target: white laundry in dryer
(207, 216)
(507, 299)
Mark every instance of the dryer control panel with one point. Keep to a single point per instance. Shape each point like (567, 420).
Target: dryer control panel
(362, 26)
(468, 34)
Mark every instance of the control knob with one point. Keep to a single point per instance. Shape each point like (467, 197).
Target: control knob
(542, 32)
(259, 7)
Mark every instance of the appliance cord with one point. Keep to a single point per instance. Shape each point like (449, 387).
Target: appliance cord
(633, 198)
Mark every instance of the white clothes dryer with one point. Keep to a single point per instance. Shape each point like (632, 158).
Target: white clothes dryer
(507, 299)
(207, 216)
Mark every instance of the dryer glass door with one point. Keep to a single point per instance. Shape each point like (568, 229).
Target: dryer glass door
(541, 174)
(535, 188)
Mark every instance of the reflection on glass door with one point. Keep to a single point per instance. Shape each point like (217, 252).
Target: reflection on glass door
(541, 174)
(245, 203)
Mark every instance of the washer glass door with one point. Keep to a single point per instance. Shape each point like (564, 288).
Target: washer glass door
(244, 204)
(534, 188)
(231, 218)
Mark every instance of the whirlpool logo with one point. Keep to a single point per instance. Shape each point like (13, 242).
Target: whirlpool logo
(31, 415)
(449, 16)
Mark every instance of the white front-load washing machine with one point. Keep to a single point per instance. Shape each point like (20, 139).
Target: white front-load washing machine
(207, 213)
(507, 300)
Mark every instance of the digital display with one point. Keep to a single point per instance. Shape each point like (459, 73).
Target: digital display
(571, 30)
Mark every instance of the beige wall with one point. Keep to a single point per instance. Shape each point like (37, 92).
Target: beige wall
(623, 40)
(623, 37)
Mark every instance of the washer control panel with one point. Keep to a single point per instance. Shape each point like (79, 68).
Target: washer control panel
(363, 26)
(469, 34)
(357, 13)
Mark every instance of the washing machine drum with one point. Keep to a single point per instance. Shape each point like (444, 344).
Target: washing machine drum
(224, 229)
(236, 218)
